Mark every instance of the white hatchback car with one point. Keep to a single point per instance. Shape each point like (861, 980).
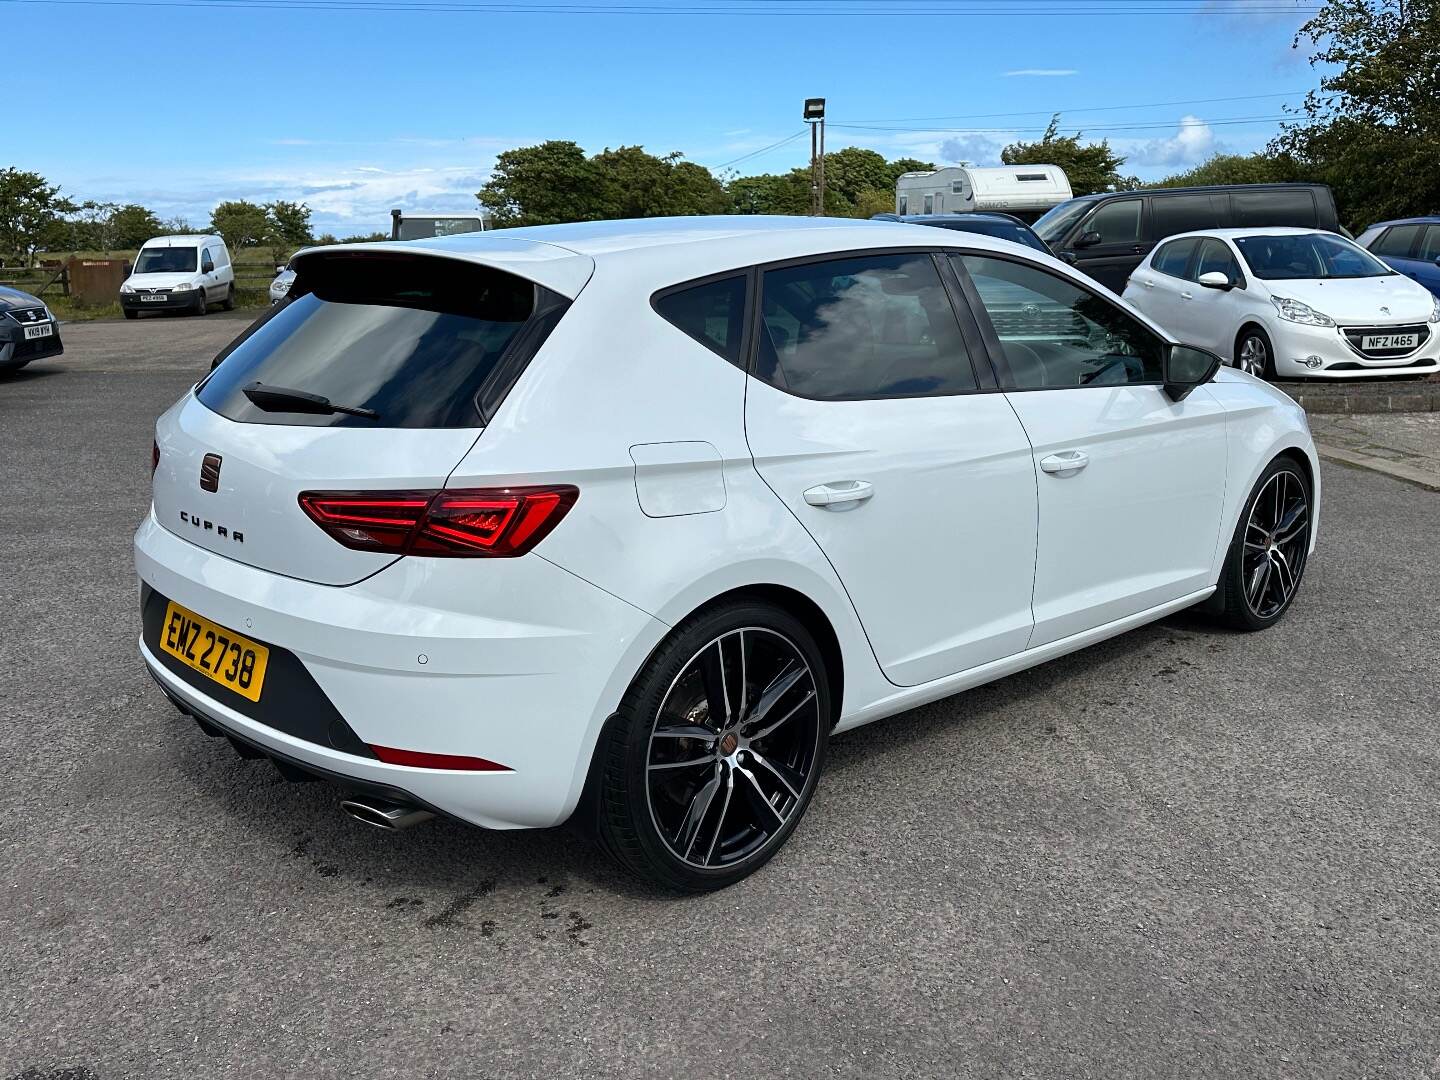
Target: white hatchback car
(631, 516)
(1289, 303)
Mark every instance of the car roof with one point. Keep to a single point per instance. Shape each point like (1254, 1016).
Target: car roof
(994, 217)
(662, 251)
(1196, 189)
(180, 240)
(1422, 219)
(1253, 230)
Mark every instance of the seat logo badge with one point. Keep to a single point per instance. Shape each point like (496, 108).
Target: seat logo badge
(210, 473)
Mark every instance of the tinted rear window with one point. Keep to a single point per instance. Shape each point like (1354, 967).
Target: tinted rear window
(713, 314)
(1171, 214)
(1268, 208)
(1397, 241)
(411, 338)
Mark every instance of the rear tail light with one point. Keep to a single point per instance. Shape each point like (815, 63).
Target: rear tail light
(490, 522)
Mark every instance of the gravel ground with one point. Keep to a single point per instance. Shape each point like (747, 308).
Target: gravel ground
(1183, 853)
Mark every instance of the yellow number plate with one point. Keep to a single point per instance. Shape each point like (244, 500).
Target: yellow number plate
(232, 661)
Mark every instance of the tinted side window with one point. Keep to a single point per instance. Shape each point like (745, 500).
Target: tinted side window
(713, 314)
(873, 326)
(1174, 257)
(1215, 258)
(1295, 208)
(1171, 214)
(1056, 334)
(1430, 244)
(1116, 222)
(1397, 242)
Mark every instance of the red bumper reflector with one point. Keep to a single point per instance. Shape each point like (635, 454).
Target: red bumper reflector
(417, 760)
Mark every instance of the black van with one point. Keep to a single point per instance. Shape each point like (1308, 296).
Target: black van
(1107, 235)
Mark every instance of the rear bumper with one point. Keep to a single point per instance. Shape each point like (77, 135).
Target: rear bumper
(512, 660)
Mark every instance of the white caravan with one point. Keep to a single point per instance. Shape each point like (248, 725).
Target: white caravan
(1026, 191)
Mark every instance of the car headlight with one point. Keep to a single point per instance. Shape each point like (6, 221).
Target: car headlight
(1435, 311)
(1296, 312)
(184, 286)
(280, 286)
(127, 289)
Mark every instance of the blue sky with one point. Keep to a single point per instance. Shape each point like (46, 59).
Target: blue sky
(357, 111)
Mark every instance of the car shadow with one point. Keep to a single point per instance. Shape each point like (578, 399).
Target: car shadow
(302, 821)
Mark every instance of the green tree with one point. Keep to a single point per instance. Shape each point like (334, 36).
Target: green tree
(768, 193)
(30, 209)
(1372, 129)
(538, 185)
(1091, 167)
(1257, 168)
(131, 225)
(555, 181)
(242, 224)
(288, 228)
(874, 202)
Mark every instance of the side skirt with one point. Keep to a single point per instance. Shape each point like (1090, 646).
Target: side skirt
(915, 696)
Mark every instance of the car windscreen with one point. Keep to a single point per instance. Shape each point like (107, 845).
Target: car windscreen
(410, 339)
(1308, 256)
(1058, 220)
(167, 260)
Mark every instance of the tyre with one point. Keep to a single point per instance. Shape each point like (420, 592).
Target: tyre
(228, 304)
(1267, 556)
(1254, 354)
(714, 754)
(201, 307)
(129, 314)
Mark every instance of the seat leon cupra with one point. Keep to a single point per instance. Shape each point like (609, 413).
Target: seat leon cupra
(621, 521)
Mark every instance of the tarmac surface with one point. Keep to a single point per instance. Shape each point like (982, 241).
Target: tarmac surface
(1183, 853)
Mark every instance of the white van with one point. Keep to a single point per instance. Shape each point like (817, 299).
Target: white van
(185, 273)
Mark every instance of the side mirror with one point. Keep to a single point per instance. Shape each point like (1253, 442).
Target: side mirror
(1187, 367)
(1087, 239)
(1216, 280)
(280, 269)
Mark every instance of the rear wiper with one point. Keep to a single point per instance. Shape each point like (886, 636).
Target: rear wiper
(283, 399)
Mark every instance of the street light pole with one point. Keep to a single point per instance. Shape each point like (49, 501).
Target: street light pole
(814, 115)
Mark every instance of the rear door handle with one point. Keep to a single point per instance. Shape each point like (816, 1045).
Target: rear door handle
(1066, 463)
(840, 495)
(1147, 283)
(1187, 296)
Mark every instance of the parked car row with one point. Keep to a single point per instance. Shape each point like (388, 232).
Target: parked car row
(1262, 275)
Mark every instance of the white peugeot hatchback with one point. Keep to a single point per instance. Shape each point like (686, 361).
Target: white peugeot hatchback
(632, 516)
(1290, 303)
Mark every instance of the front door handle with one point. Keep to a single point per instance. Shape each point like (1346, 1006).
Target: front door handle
(840, 495)
(1187, 296)
(1066, 463)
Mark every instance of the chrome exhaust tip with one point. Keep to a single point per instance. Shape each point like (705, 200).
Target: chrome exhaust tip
(392, 817)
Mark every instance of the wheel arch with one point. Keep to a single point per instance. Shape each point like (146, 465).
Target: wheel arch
(1247, 323)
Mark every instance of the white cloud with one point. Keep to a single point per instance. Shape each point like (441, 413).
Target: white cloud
(981, 148)
(1191, 144)
(1041, 73)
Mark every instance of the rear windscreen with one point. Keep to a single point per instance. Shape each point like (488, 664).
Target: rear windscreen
(410, 339)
